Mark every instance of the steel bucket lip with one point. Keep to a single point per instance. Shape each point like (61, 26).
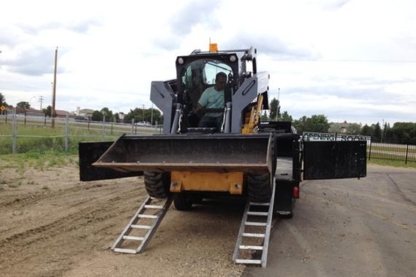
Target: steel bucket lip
(196, 136)
(251, 153)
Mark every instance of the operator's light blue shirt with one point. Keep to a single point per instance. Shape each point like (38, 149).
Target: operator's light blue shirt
(212, 99)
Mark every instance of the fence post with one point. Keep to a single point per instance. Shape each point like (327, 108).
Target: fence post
(407, 153)
(14, 131)
(132, 126)
(66, 133)
(102, 130)
(369, 151)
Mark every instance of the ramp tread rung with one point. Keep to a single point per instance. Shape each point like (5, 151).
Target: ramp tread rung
(147, 216)
(258, 213)
(153, 207)
(259, 224)
(146, 227)
(247, 261)
(251, 247)
(253, 235)
(132, 238)
(259, 204)
(125, 250)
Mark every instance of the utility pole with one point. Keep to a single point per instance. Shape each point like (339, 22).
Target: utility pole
(41, 100)
(54, 89)
(278, 104)
(382, 132)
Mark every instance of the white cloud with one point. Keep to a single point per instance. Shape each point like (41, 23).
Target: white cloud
(350, 60)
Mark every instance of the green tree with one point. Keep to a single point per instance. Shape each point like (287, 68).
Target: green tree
(144, 115)
(47, 111)
(403, 132)
(353, 128)
(319, 123)
(335, 128)
(23, 104)
(301, 124)
(264, 117)
(376, 136)
(316, 123)
(367, 130)
(107, 113)
(97, 116)
(274, 109)
(286, 116)
(2, 100)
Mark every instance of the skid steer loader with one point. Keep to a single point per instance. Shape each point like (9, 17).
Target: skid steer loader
(262, 161)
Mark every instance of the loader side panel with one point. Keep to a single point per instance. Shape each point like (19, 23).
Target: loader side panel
(90, 152)
(334, 159)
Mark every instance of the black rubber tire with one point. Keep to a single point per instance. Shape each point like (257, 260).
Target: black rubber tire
(259, 188)
(182, 201)
(290, 214)
(286, 216)
(157, 184)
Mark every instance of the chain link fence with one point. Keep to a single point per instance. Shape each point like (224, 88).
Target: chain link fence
(20, 133)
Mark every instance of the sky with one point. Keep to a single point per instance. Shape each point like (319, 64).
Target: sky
(350, 60)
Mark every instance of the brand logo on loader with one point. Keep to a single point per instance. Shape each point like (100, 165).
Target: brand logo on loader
(313, 136)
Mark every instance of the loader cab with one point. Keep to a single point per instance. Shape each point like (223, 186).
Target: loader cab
(177, 98)
(195, 77)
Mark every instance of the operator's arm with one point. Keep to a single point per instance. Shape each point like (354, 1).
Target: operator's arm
(202, 102)
(198, 107)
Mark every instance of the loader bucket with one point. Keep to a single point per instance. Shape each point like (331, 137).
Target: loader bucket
(212, 152)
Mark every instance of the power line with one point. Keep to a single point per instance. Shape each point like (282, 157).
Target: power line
(343, 60)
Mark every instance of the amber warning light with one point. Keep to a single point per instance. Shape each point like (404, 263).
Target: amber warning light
(213, 47)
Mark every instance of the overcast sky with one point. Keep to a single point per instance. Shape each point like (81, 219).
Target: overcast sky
(352, 61)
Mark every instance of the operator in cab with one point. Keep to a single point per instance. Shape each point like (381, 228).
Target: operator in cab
(213, 98)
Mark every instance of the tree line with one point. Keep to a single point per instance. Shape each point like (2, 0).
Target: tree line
(400, 133)
(151, 115)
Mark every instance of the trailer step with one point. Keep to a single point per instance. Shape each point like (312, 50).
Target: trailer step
(150, 217)
(255, 226)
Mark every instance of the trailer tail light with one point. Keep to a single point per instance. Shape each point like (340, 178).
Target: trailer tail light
(295, 192)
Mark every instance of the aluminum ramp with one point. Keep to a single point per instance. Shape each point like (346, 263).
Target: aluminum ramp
(253, 237)
(141, 227)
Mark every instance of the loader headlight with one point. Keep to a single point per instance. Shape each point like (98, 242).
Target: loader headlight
(181, 61)
(233, 58)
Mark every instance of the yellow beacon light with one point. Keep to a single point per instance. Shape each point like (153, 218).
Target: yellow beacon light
(213, 47)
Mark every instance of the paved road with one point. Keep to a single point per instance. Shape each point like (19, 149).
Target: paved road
(348, 227)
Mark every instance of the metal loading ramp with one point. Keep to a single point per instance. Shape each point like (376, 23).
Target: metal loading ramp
(141, 227)
(165, 153)
(254, 234)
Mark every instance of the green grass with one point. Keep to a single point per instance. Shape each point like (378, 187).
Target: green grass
(392, 163)
(42, 147)
(40, 139)
(38, 161)
(398, 149)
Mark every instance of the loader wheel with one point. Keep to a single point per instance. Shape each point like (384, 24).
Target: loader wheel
(259, 189)
(157, 184)
(182, 202)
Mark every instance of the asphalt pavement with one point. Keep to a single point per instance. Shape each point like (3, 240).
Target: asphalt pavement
(348, 227)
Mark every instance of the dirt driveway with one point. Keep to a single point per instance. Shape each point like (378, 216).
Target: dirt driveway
(54, 225)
